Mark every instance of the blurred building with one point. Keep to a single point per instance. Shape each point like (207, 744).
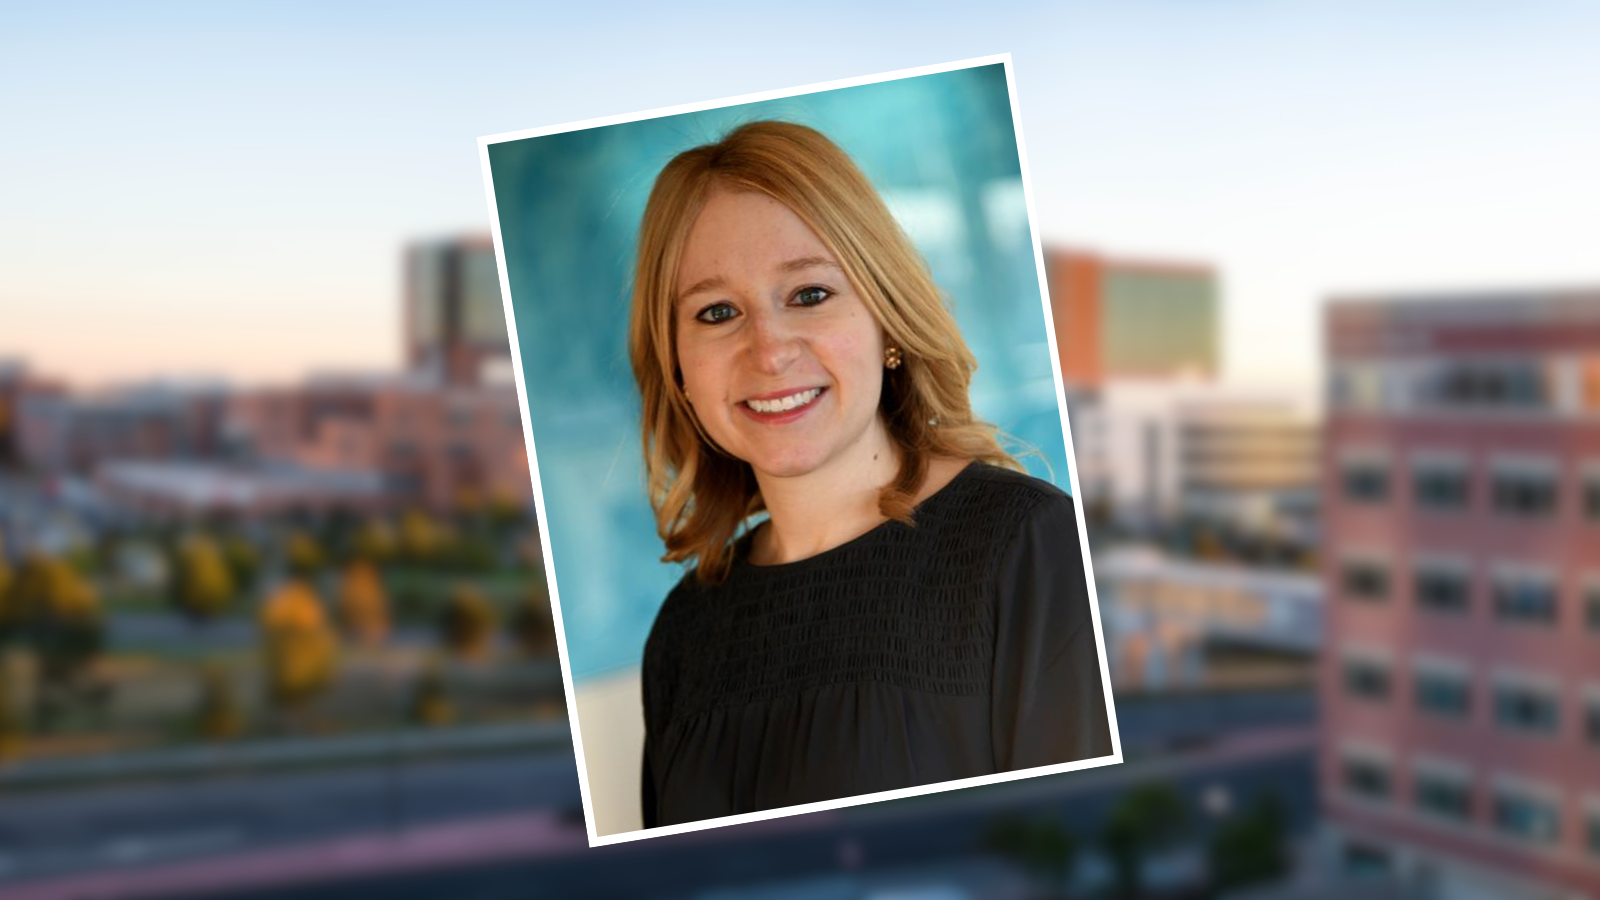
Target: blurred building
(1462, 684)
(17, 384)
(1122, 318)
(433, 444)
(1190, 624)
(1152, 452)
(62, 434)
(455, 323)
(181, 489)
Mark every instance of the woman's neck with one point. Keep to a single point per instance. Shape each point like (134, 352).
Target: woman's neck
(828, 506)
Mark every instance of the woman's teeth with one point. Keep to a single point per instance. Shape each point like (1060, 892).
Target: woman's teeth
(784, 404)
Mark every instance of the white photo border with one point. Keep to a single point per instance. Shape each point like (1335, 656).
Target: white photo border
(596, 840)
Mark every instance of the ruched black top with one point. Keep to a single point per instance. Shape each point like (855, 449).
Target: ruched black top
(912, 655)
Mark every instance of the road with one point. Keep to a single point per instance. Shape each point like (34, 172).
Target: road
(71, 832)
(59, 834)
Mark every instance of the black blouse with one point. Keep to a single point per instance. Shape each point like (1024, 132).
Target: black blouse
(957, 647)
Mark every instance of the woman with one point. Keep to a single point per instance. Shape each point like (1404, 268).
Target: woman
(912, 609)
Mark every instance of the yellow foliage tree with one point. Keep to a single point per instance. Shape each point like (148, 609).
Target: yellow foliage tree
(244, 561)
(299, 645)
(302, 554)
(202, 582)
(10, 723)
(430, 699)
(363, 606)
(374, 542)
(218, 715)
(467, 622)
(58, 614)
(420, 536)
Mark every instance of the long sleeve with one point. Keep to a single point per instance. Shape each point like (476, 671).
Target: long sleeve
(647, 790)
(1048, 703)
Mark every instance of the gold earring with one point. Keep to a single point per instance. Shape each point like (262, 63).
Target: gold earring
(891, 358)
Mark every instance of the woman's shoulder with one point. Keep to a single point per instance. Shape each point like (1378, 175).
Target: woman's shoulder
(1000, 499)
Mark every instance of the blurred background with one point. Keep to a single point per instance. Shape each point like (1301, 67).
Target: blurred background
(1325, 287)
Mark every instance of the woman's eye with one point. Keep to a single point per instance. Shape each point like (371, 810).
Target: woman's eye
(716, 312)
(812, 296)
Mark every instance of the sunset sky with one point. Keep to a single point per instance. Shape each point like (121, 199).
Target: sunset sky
(192, 190)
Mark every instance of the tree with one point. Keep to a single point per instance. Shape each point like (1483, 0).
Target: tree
(1250, 848)
(430, 698)
(532, 626)
(7, 615)
(1149, 818)
(218, 716)
(202, 582)
(54, 611)
(363, 606)
(506, 511)
(11, 731)
(466, 624)
(1045, 849)
(373, 542)
(420, 537)
(299, 646)
(244, 561)
(303, 554)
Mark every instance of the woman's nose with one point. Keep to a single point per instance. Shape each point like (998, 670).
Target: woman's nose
(773, 345)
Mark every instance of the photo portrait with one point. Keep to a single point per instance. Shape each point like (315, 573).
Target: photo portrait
(804, 479)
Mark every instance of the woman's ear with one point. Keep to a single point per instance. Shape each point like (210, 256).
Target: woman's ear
(677, 380)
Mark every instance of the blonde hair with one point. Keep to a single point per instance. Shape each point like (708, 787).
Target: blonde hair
(700, 494)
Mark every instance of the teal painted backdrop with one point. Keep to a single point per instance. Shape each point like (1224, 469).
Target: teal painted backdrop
(942, 151)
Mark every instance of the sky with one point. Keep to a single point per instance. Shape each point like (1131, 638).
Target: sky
(213, 190)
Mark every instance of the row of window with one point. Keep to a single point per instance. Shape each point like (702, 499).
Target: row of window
(1546, 384)
(1517, 491)
(1529, 596)
(1445, 792)
(1520, 706)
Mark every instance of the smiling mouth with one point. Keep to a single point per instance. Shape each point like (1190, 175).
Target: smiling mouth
(793, 401)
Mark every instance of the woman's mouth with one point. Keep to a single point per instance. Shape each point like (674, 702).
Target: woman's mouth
(773, 406)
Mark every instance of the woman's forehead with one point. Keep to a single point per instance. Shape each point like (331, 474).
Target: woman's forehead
(746, 234)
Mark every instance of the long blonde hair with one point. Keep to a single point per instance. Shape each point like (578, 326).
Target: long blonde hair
(700, 494)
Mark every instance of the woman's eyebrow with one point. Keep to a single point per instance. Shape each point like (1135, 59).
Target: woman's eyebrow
(807, 262)
(715, 282)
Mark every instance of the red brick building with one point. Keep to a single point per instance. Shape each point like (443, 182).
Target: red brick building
(1461, 683)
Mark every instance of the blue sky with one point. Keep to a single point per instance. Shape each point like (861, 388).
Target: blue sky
(208, 190)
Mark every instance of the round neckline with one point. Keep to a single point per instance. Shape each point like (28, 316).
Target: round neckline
(742, 558)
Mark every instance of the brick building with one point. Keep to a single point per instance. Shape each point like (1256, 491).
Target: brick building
(1461, 684)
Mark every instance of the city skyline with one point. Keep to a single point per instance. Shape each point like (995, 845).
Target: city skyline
(201, 185)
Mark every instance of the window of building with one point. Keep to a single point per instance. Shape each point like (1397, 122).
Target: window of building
(1366, 580)
(1442, 588)
(1444, 693)
(1591, 497)
(1591, 829)
(1526, 708)
(1365, 481)
(1438, 486)
(1367, 679)
(1442, 795)
(1591, 719)
(1526, 815)
(1527, 598)
(1591, 607)
(1524, 490)
(1492, 384)
(1367, 777)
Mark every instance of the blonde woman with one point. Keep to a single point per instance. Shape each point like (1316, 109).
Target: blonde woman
(912, 608)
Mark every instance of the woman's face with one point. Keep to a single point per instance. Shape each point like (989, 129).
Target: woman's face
(780, 357)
